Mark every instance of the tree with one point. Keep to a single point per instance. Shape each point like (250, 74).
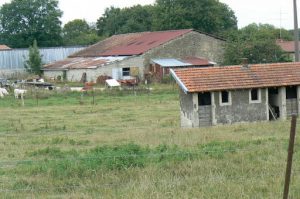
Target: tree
(255, 42)
(79, 32)
(22, 21)
(134, 19)
(210, 16)
(34, 62)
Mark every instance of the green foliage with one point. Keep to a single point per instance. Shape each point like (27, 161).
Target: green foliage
(34, 62)
(22, 21)
(134, 19)
(255, 42)
(78, 32)
(209, 16)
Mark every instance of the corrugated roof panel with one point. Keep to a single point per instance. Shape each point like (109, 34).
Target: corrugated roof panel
(170, 62)
(82, 63)
(130, 44)
(196, 61)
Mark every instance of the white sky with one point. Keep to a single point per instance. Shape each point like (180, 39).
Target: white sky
(247, 11)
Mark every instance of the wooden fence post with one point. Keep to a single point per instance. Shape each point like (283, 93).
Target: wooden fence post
(290, 157)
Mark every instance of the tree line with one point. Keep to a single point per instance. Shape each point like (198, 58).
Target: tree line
(24, 21)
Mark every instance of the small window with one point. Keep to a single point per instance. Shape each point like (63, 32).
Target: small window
(291, 92)
(255, 96)
(225, 98)
(126, 71)
(204, 99)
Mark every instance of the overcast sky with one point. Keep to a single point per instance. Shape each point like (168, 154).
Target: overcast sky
(276, 12)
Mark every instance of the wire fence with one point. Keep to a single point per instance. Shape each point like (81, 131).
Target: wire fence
(210, 175)
(171, 182)
(151, 155)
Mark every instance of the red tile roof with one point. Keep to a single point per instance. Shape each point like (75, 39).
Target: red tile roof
(287, 46)
(130, 44)
(4, 47)
(238, 77)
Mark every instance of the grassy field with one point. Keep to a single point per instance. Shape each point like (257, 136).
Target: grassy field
(126, 145)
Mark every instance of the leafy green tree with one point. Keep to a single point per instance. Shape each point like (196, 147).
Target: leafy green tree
(34, 62)
(255, 42)
(79, 32)
(134, 19)
(210, 16)
(22, 21)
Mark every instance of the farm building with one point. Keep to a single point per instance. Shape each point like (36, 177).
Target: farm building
(160, 68)
(4, 47)
(288, 47)
(245, 93)
(129, 55)
(12, 60)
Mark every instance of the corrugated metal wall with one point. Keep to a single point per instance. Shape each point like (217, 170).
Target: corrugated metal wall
(14, 59)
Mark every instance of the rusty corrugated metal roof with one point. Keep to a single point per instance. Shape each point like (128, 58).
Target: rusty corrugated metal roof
(81, 63)
(196, 61)
(130, 44)
(238, 77)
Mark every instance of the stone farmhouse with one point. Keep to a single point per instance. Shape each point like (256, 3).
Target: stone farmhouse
(126, 55)
(244, 93)
(288, 48)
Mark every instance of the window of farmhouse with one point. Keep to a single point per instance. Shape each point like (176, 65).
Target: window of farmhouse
(225, 97)
(126, 71)
(254, 94)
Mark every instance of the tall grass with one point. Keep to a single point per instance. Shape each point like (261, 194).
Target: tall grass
(131, 146)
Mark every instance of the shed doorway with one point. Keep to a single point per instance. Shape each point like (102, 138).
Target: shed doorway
(274, 103)
(204, 109)
(291, 100)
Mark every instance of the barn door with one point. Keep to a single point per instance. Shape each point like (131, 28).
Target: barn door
(204, 109)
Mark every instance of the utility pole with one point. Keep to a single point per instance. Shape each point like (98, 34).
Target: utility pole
(296, 32)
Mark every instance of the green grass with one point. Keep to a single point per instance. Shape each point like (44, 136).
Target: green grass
(130, 145)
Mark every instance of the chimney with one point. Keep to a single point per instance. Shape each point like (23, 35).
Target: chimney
(245, 63)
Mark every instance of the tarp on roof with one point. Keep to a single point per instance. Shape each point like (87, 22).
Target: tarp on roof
(170, 62)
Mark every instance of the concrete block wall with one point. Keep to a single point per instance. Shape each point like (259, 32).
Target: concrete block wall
(241, 110)
(186, 109)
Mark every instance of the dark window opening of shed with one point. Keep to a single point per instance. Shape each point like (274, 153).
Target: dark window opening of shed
(291, 92)
(204, 99)
(254, 94)
(225, 96)
(126, 71)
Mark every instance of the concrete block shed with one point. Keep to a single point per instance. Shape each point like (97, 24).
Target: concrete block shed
(243, 93)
